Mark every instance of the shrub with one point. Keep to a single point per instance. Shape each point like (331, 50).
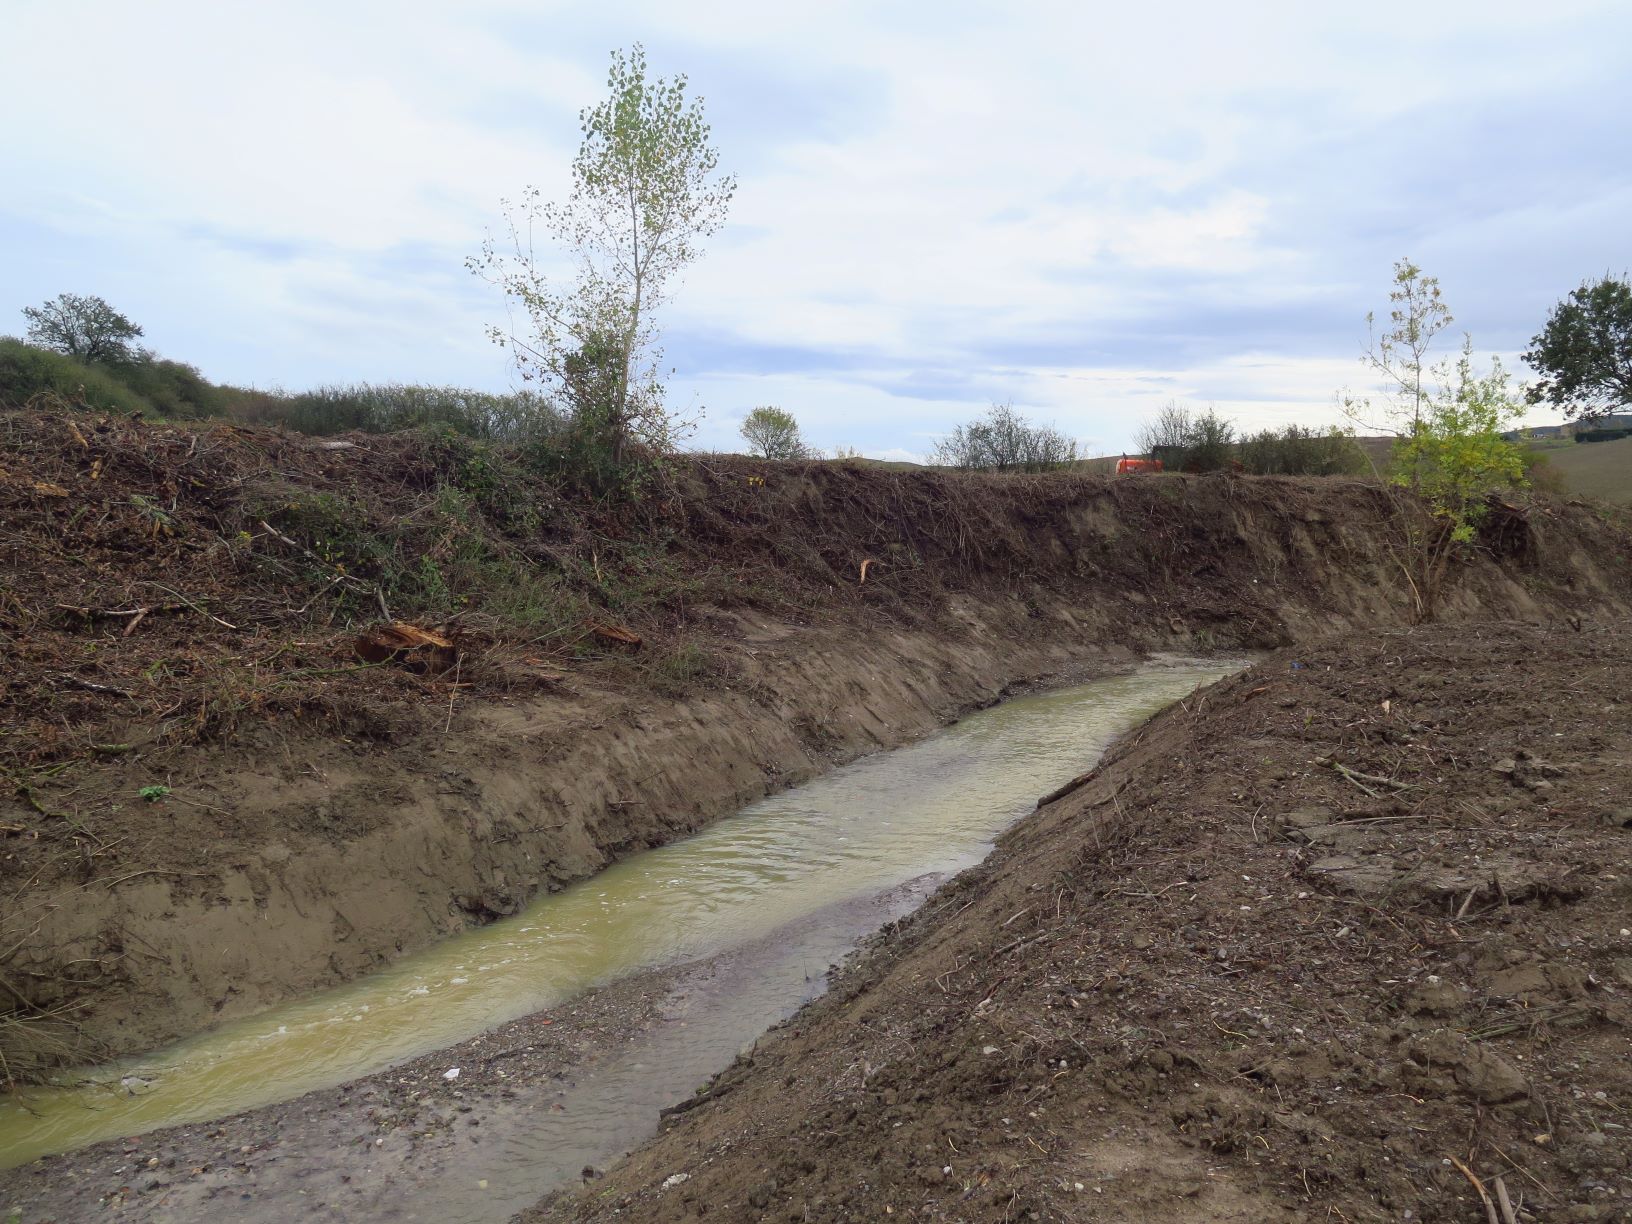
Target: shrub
(1188, 441)
(27, 371)
(1004, 441)
(1541, 475)
(389, 407)
(1297, 450)
(173, 388)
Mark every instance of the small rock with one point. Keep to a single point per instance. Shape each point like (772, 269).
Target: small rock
(1507, 765)
(452, 1073)
(1433, 998)
(673, 1180)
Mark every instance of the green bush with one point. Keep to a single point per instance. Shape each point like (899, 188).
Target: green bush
(389, 407)
(1188, 441)
(27, 371)
(1600, 435)
(172, 387)
(1300, 451)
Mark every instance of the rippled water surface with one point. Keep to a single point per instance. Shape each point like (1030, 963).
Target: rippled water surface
(926, 810)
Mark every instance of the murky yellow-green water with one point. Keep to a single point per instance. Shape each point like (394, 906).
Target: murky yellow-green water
(932, 808)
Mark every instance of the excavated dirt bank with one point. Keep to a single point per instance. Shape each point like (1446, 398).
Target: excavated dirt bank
(289, 864)
(1347, 937)
(212, 804)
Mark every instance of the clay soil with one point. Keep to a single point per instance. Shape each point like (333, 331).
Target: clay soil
(1347, 938)
(212, 802)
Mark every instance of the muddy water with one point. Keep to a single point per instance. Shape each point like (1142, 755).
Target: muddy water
(779, 890)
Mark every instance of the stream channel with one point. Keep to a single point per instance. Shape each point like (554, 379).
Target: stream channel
(767, 899)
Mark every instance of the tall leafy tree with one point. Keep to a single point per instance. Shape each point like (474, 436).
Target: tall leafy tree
(1584, 353)
(772, 433)
(1401, 356)
(84, 327)
(646, 190)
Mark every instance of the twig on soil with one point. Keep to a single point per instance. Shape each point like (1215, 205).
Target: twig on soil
(1484, 1195)
(1550, 1015)
(1525, 1173)
(112, 880)
(76, 682)
(453, 691)
(1360, 779)
(1019, 943)
(192, 605)
(1505, 1203)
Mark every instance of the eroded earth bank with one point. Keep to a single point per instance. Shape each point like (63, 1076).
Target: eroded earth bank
(1347, 937)
(214, 804)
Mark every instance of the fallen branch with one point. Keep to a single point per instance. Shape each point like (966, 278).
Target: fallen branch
(1076, 783)
(691, 1103)
(189, 603)
(368, 588)
(76, 682)
(1484, 1195)
(1360, 779)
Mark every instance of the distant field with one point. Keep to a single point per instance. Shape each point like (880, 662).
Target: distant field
(1596, 469)
(1591, 469)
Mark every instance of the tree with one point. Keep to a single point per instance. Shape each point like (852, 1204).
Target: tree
(1584, 353)
(1457, 452)
(1448, 423)
(645, 192)
(1188, 441)
(1170, 430)
(1401, 356)
(1003, 441)
(86, 328)
(772, 433)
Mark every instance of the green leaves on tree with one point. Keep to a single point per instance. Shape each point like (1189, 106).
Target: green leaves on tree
(1584, 353)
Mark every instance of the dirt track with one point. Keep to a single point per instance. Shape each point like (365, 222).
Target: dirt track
(1348, 939)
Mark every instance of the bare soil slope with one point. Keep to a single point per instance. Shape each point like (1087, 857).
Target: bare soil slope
(1349, 937)
(211, 802)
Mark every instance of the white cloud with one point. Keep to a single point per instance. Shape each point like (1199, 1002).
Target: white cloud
(1089, 209)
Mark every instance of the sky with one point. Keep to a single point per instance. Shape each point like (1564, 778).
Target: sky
(1086, 209)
